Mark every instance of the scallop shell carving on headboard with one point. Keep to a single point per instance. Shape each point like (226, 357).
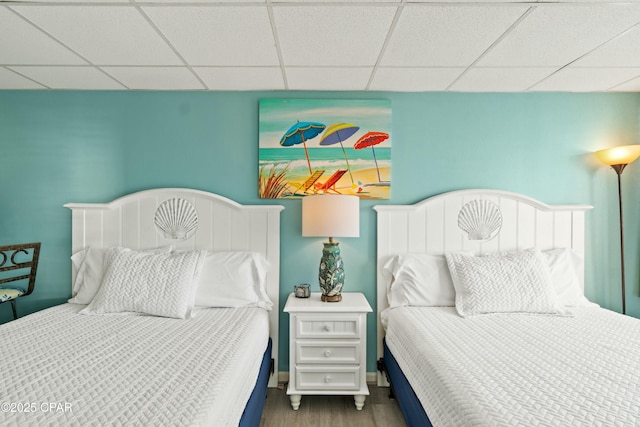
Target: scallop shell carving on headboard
(176, 219)
(481, 219)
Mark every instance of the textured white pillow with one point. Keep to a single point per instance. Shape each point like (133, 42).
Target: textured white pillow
(565, 266)
(233, 279)
(89, 266)
(144, 282)
(512, 282)
(420, 280)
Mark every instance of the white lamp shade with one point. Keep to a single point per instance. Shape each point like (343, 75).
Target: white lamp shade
(329, 215)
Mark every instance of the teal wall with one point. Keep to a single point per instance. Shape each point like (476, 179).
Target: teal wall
(65, 146)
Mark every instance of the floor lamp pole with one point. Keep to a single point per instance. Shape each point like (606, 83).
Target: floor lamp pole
(624, 295)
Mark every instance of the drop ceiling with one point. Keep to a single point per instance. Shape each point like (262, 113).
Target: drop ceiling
(402, 45)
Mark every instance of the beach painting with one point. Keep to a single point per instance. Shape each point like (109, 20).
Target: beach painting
(324, 146)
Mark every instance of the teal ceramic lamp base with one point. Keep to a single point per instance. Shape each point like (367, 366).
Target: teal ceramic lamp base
(331, 274)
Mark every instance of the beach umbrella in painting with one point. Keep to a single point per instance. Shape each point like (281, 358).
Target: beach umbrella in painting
(370, 139)
(336, 133)
(299, 133)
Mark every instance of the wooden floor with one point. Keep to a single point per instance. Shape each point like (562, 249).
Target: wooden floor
(331, 411)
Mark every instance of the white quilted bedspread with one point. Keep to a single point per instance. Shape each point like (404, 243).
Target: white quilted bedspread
(71, 369)
(520, 370)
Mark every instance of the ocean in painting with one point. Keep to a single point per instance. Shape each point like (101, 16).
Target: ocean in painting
(329, 159)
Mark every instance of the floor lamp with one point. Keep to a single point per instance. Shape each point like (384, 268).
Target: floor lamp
(618, 158)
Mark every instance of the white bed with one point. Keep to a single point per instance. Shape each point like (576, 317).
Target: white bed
(572, 363)
(124, 368)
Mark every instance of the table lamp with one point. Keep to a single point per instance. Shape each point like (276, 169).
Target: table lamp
(329, 215)
(618, 158)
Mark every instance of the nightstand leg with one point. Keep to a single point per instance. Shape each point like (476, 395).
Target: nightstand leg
(359, 399)
(295, 401)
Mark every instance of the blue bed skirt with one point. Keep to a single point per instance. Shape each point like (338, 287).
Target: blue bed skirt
(412, 410)
(253, 411)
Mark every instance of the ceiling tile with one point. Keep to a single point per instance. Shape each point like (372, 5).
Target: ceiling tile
(21, 44)
(241, 78)
(585, 1)
(11, 80)
(336, 1)
(622, 51)
(500, 79)
(446, 36)
(155, 78)
(213, 2)
(332, 36)
(575, 79)
(632, 85)
(126, 2)
(328, 78)
(472, 1)
(414, 79)
(105, 35)
(84, 78)
(239, 36)
(556, 35)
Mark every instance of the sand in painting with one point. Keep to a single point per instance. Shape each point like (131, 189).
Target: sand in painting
(369, 188)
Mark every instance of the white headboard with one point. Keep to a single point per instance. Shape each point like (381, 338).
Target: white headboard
(134, 221)
(442, 224)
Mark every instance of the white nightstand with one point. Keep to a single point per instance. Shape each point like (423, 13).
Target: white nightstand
(328, 347)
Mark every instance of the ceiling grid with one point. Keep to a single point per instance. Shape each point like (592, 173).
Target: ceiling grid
(366, 45)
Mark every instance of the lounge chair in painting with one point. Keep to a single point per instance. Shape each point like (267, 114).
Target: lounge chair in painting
(330, 184)
(305, 186)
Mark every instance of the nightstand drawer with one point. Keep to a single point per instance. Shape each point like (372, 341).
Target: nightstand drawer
(328, 378)
(331, 352)
(343, 326)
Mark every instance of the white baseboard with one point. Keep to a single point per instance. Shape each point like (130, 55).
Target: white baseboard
(371, 378)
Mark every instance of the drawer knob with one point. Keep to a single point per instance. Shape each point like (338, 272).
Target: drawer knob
(327, 353)
(327, 379)
(327, 328)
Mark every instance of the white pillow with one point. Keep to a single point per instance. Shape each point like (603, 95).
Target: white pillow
(89, 266)
(89, 272)
(144, 282)
(420, 280)
(512, 282)
(233, 279)
(565, 266)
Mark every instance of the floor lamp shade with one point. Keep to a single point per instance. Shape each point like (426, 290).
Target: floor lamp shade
(618, 158)
(331, 216)
(619, 155)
